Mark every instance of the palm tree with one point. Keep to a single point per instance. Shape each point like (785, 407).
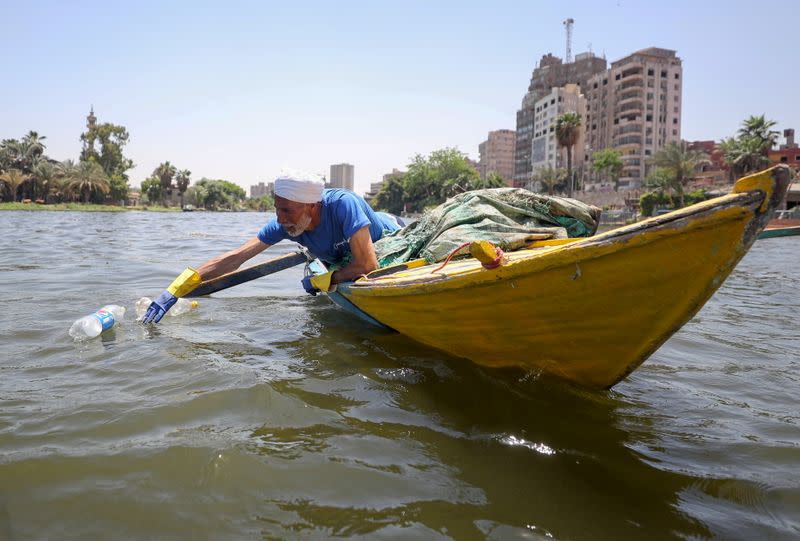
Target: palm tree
(34, 142)
(744, 155)
(165, 172)
(609, 161)
(758, 127)
(550, 177)
(681, 163)
(87, 177)
(12, 179)
(182, 179)
(44, 176)
(567, 131)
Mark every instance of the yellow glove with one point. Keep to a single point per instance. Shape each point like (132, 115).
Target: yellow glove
(320, 282)
(185, 283)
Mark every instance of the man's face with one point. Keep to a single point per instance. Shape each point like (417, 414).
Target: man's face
(293, 216)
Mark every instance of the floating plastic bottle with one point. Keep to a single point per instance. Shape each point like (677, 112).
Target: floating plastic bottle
(180, 307)
(93, 325)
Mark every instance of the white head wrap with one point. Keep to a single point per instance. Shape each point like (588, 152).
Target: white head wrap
(299, 186)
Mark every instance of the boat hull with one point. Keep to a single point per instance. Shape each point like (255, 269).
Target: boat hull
(589, 311)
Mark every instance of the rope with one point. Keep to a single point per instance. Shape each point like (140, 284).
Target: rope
(497, 260)
(449, 257)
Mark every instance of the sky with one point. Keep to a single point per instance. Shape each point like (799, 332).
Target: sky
(238, 90)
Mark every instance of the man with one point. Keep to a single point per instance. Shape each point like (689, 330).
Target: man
(333, 224)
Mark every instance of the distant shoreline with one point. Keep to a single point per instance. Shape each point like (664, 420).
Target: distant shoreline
(84, 207)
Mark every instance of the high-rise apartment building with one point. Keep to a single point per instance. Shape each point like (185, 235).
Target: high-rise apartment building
(551, 72)
(497, 155)
(635, 107)
(545, 151)
(342, 175)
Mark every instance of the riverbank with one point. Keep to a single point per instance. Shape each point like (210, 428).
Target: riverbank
(86, 207)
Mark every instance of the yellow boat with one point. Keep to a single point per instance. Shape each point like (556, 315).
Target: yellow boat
(590, 310)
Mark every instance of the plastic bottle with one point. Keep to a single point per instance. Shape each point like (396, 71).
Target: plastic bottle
(180, 307)
(93, 325)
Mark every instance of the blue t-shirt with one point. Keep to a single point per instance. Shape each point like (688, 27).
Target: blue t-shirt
(342, 214)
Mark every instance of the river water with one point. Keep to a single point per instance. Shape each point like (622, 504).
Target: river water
(268, 413)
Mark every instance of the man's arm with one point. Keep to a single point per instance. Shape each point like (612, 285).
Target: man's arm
(364, 259)
(190, 278)
(230, 261)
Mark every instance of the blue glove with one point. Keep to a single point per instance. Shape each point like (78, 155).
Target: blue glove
(159, 307)
(308, 286)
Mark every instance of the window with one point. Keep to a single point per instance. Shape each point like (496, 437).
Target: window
(674, 120)
(664, 73)
(677, 87)
(650, 72)
(674, 132)
(649, 96)
(605, 81)
(553, 101)
(595, 85)
(677, 76)
(784, 159)
(646, 152)
(617, 77)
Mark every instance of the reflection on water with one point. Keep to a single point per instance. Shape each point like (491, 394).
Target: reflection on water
(269, 413)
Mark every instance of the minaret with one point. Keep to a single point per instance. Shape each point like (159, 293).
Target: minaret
(88, 137)
(91, 120)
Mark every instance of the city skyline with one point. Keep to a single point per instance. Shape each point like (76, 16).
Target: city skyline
(241, 92)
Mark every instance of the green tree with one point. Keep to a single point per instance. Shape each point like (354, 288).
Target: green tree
(151, 188)
(493, 180)
(103, 143)
(119, 188)
(658, 179)
(165, 172)
(196, 195)
(392, 196)
(680, 163)
(44, 178)
(551, 178)
(744, 155)
(21, 154)
(12, 179)
(87, 177)
(608, 162)
(759, 128)
(220, 193)
(182, 179)
(432, 179)
(750, 150)
(567, 132)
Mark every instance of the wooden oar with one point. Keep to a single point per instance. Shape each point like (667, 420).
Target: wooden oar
(250, 273)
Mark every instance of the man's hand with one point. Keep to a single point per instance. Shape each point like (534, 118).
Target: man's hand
(182, 285)
(310, 289)
(313, 284)
(159, 307)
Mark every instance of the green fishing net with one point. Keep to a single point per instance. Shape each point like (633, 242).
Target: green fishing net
(507, 217)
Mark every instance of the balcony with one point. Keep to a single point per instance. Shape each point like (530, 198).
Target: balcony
(634, 83)
(628, 140)
(633, 73)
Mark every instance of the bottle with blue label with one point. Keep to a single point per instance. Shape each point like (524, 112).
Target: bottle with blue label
(97, 323)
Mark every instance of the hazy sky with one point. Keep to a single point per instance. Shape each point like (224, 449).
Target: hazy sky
(236, 90)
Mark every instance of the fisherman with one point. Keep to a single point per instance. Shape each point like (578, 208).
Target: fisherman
(336, 225)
